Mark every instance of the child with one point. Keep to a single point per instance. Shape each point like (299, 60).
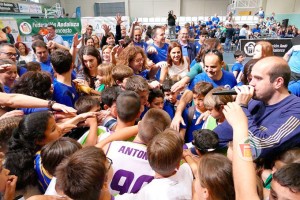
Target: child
(120, 73)
(49, 158)
(64, 90)
(104, 76)
(109, 98)
(156, 99)
(239, 57)
(139, 85)
(190, 115)
(170, 181)
(33, 66)
(86, 174)
(215, 104)
(171, 101)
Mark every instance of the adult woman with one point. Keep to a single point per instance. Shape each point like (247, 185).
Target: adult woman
(8, 77)
(90, 59)
(96, 41)
(25, 53)
(136, 59)
(214, 179)
(178, 65)
(263, 49)
(89, 41)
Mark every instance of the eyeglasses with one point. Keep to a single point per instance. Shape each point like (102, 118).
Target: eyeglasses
(10, 54)
(110, 163)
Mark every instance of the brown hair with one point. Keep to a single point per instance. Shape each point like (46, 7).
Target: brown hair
(7, 125)
(82, 175)
(33, 66)
(209, 44)
(216, 101)
(202, 88)
(128, 55)
(266, 48)
(105, 71)
(165, 152)
(137, 84)
(173, 45)
(215, 174)
(120, 72)
(247, 70)
(290, 156)
(54, 152)
(26, 48)
(128, 106)
(150, 126)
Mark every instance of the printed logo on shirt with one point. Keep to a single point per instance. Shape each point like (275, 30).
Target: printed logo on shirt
(248, 150)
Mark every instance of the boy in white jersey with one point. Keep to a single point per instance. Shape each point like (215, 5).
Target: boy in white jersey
(171, 181)
(130, 160)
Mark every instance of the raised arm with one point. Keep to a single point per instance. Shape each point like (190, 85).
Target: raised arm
(244, 175)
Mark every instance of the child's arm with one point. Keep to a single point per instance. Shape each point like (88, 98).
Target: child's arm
(123, 134)
(163, 74)
(92, 137)
(182, 132)
(189, 158)
(244, 183)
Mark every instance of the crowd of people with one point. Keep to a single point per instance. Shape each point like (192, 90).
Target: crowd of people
(134, 115)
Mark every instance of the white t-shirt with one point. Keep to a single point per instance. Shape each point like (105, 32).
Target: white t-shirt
(176, 187)
(243, 32)
(179, 70)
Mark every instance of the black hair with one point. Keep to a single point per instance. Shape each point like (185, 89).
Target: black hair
(238, 53)
(109, 95)
(205, 140)
(167, 85)
(155, 93)
(289, 176)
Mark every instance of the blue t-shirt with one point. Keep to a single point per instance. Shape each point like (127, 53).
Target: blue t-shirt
(28, 111)
(169, 108)
(237, 67)
(227, 80)
(198, 47)
(215, 20)
(44, 178)
(144, 74)
(64, 94)
(190, 127)
(141, 44)
(6, 89)
(47, 67)
(162, 54)
(294, 87)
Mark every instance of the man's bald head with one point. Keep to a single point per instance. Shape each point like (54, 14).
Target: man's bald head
(276, 67)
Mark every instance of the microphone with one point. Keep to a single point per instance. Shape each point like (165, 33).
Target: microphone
(225, 92)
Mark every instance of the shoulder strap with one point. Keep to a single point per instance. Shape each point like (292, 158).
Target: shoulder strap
(191, 112)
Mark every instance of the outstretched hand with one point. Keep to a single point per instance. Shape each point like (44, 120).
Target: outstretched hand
(235, 115)
(119, 19)
(106, 28)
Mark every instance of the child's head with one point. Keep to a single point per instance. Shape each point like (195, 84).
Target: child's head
(156, 99)
(287, 157)
(104, 74)
(54, 152)
(215, 103)
(128, 106)
(106, 50)
(215, 175)
(61, 61)
(33, 66)
(200, 90)
(33, 131)
(239, 56)
(7, 125)
(165, 152)
(120, 73)
(150, 126)
(166, 87)
(139, 85)
(82, 175)
(205, 141)
(285, 183)
(175, 54)
(109, 97)
(87, 104)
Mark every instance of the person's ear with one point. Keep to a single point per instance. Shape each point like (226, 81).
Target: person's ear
(118, 82)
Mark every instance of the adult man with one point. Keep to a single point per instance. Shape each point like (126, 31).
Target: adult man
(52, 36)
(214, 74)
(136, 35)
(8, 51)
(158, 51)
(171, 24)
(229, 35)
(188, 49)
(215, 19)
(42, 56)
(273, 114)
